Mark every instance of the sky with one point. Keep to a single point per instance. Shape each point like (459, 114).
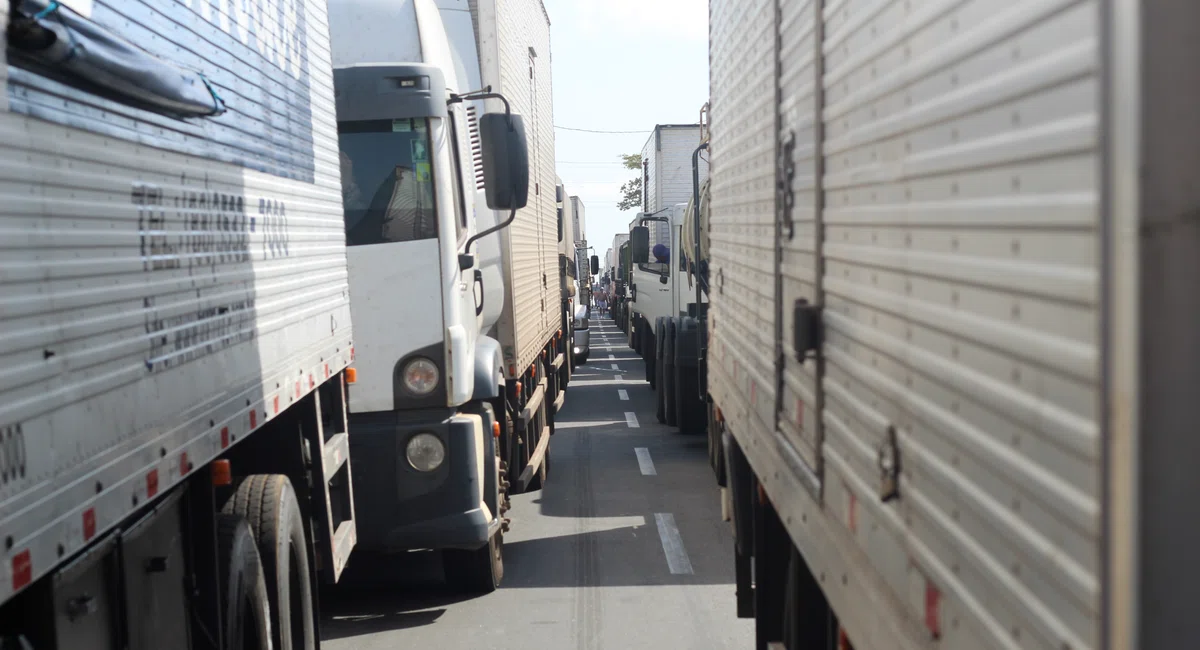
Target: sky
(620, 65)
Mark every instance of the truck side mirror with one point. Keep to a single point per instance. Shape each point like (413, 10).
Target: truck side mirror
(595, 265)
(639, 245)
(505, 160)
(662, 279)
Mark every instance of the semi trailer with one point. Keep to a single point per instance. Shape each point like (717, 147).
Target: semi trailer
(175, 326)
(462, 341)
(952, 317)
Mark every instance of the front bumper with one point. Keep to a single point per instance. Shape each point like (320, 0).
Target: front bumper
(399, 508)
(582, 342)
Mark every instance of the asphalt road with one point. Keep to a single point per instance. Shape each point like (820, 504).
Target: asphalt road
(623, 549)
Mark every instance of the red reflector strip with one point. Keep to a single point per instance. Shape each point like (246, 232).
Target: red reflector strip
(297, 390)
(327, 371)
(183, 464)
(225, 432)
(933, 601)
(312, 383)
(276, 403)
(22, 570)
(89, 524)
(852, 515)
(253, 419)
(152, 484)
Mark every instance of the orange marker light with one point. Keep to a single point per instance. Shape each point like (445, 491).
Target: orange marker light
(222, 473)
(495, 429)
(518, 386)
(351, 375)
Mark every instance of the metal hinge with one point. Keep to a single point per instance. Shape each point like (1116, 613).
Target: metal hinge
(807, 330)
(783, 187)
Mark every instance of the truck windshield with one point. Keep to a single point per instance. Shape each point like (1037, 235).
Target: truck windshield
(387, 181)
(660, 246)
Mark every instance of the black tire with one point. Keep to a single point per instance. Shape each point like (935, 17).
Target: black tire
(246, 610)
(581, 360)
(479, 571)
(268, 504)
(692, 411)
(668, 383)
(651, 355)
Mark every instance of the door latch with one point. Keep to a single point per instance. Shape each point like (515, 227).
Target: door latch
(889, 466)
(786, 173)
(807, 334)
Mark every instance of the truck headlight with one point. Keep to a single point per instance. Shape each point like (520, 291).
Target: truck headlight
(425, 452)
(420, 376)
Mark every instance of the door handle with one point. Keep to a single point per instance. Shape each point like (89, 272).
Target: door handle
(479, 282)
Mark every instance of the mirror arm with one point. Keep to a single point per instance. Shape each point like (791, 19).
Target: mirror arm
(496, 228)
(485, 93)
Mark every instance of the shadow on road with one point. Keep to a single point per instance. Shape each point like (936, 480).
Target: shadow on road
(385, 593)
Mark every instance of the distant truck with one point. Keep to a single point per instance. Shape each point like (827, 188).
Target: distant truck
(567, 275)
(175, 326)
(462, 340)
(954, 324)
(663, 304)
(667, 171)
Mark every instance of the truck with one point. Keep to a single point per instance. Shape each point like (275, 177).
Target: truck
(952, 315)
(667, 170)
(567, 274)
(582, 261)
(663, 306)
(175, 326)
(620, 280)
(460, 336)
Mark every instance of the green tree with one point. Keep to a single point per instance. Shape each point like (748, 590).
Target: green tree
(631, 191)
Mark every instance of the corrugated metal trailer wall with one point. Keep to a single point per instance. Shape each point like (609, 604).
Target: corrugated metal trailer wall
(943, 210)
(515, 60)
(167, 285)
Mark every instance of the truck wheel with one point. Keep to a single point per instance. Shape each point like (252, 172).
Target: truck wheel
(652, 346)
(247, 612)
(268, 503)
(668, 383)
(479, 571)
(690, 407)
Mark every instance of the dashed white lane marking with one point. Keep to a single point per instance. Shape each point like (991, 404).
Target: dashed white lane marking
(612, 356)
(618, 378)
(644, 462)
(668, 533)
(631, 420)
(624, 395)
(616, 367)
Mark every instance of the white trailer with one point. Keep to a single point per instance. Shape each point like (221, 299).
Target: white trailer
(667, 170)
(174, 326)
(953, 318)
(460, 321)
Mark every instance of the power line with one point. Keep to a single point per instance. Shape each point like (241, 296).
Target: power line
(567, 128)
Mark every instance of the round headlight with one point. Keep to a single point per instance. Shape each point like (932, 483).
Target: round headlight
(420, 376)
(425, 452)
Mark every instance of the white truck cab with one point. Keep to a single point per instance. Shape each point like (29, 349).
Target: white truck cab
(660, 296)
(428, 180)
